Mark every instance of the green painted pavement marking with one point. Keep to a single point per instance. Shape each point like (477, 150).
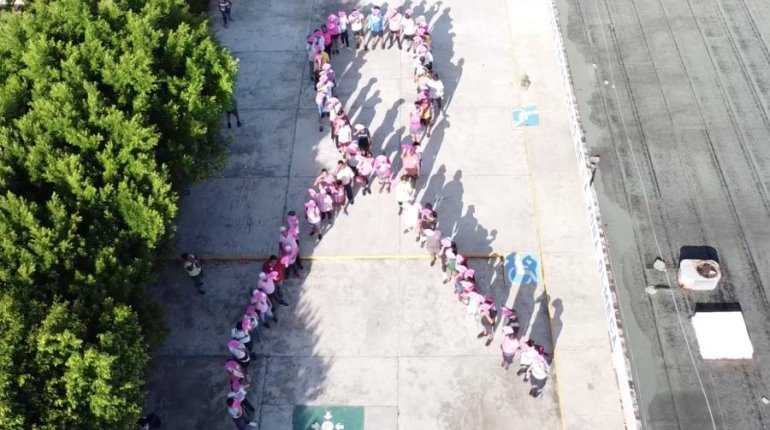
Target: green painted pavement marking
(328, 418)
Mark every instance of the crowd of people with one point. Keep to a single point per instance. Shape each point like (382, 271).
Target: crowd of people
(334, 190)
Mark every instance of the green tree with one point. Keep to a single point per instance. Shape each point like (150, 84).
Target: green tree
(107, 107)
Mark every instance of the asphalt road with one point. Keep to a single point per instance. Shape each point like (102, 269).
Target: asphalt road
(674, 96)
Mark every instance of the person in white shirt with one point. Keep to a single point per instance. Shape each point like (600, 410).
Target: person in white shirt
(239, 416)
(408, 29)
(436, 93)
(243, 337)
(527, 356)
(345, 174)
(193, 268)
(538, 372)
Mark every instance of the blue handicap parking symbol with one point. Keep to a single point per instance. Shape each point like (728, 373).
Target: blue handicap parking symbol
(525, 116)
(522, 269)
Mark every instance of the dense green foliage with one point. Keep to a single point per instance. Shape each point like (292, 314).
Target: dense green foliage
(106, 108)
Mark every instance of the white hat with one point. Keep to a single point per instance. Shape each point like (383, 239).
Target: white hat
(507, 330)
(263, 276)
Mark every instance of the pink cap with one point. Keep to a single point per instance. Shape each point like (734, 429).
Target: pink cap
(469, 273)
(390, 13)
(331, 18)
(466, 284)
(233, 344)
(506, 311)
(308, 204)
(251, 310)
(341, 13)
(446, 242)
(323, 79)
(311, 192)
(326, 66)
(460, 268)
(382, 158)
(507, 330)
(231, 364)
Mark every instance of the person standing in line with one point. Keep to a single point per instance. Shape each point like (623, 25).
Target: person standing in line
(241, 419)
(325, 204)
(404, 192)
(526, 357)
(267, 284)
(511, 319)
(433, 244)
(338, 197)
(345, 174)
(225, 8)
(436, 93)
(289, 260)
(474, 299)
(238, 392)
(343, 20)
(236, 371)
(408, 29)
(448, 258)
(264, 307)
(509, 347)
(365, 168)
(374, 25)
(356, 20)
(324, 180)
(465, 284)
(239, 353)
(538, 372)
(415, 123)
(327, 35)
(394, 30)
(333, 24)
(487, 317)
(273, 266)
(250, 322)
(243, 337)
(344, 136)
(384, 171)
(320, 100)
(363, 138)
(313, 217)
(193, 268)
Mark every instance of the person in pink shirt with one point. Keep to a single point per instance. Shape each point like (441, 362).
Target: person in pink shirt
(324, 180)
(266, 284)
(339, 197)
(264, 306)
(511, 319)
(236, 371)
(384, 171)
(289, 260)
(333, 24)
(509, 347)
(325, 204)
(415, 122)
(327, 39)
(365, 168)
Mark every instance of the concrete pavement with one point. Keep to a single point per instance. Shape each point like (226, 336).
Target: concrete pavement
(384, 334)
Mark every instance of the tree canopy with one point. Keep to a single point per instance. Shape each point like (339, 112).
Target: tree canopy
(106, 109)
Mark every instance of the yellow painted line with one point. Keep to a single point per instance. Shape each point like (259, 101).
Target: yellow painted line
(538, 224)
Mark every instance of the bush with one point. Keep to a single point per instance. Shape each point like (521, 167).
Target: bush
(107, 108)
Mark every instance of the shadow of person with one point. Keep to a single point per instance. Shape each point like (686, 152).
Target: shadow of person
(556, 323)
(449, 204)
(522, 275)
